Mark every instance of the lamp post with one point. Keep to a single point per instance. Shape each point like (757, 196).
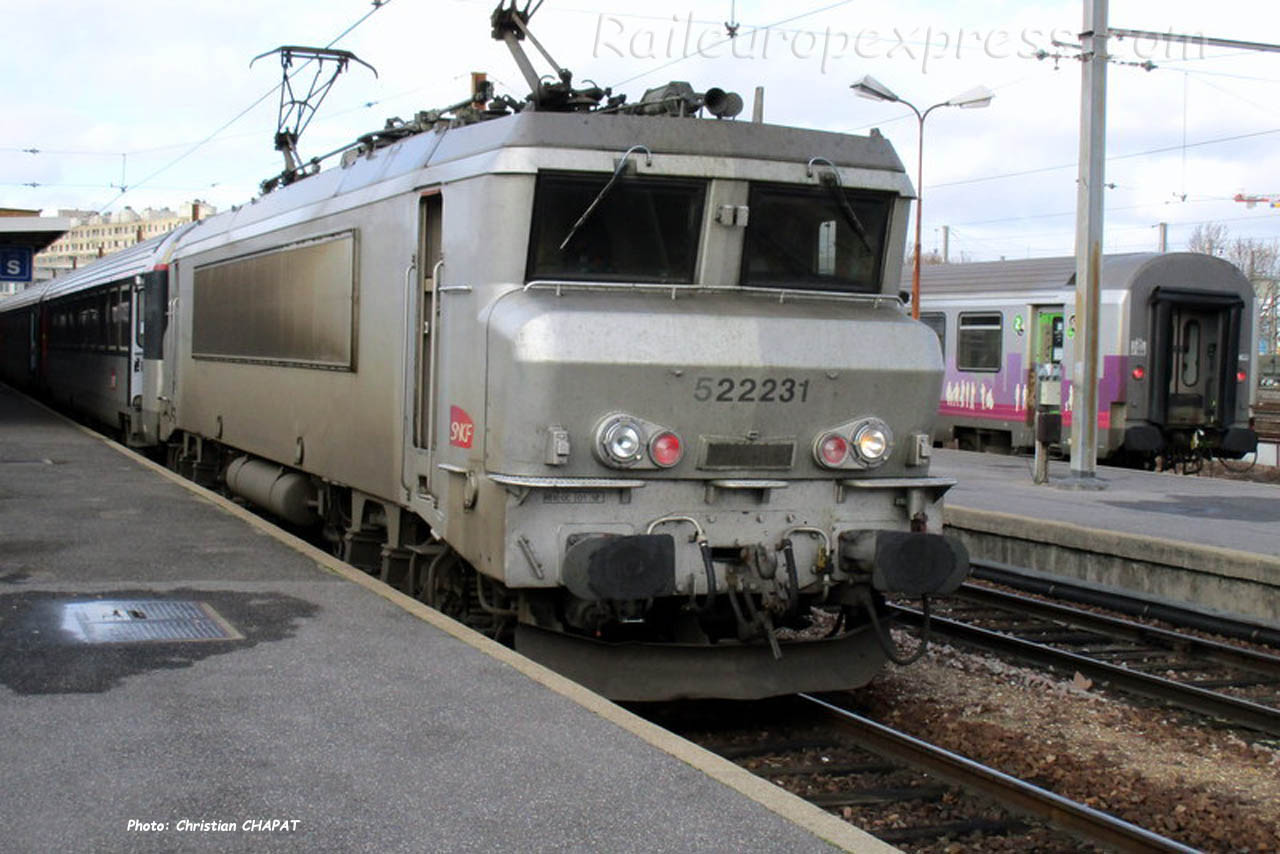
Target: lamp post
(869, 87)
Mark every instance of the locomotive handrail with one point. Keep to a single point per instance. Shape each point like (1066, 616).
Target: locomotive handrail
(535, 482)
(431, 369)
(755, 290)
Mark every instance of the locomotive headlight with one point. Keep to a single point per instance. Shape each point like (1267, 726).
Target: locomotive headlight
(871, 441)
(620, 441)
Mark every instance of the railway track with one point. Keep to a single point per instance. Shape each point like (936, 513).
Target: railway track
(1119, 601)
(1237, 685)
(905, 791)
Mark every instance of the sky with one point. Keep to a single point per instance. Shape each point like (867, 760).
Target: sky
(160, 98)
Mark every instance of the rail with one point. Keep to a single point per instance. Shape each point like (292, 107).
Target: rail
(1019, 795)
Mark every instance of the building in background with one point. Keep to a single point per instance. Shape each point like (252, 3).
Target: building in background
(93, 235)
(23, 233)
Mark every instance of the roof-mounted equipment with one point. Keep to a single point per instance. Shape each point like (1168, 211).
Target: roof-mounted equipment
(511, 26)
(297, 111)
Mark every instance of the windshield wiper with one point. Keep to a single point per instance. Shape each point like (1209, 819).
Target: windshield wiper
(831, 180)
(605, 191)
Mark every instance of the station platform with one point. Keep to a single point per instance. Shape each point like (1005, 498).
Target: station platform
(1208, 542)
(180, 676)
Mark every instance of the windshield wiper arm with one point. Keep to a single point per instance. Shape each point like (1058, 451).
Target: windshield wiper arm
(831, 180)
(605, 191)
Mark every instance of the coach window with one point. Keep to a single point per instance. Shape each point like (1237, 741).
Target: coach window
(815, 238)
(978, 345)
(635, 229)
(140, 300)
(113, 314)
(937, 321)
(120, 319)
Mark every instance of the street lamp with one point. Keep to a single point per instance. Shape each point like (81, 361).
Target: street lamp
(869, 87)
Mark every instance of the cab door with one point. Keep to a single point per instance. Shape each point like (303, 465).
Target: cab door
(422, 315)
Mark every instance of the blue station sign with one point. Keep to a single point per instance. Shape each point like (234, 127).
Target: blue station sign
(15, 264)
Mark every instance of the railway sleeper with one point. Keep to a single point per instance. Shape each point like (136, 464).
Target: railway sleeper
(928, 793)
(951, 830)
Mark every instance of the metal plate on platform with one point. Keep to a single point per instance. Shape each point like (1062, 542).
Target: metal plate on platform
(144, 620)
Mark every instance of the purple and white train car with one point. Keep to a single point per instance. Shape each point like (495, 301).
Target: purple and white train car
(1174, 349)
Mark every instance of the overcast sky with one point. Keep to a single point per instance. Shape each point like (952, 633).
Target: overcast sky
(155, 96)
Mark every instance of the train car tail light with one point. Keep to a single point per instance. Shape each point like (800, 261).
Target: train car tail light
(665, 449)
(1139, 373)
(833, 449)
(1241, 376)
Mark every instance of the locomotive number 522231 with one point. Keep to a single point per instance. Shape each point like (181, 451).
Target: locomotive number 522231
(750, 390)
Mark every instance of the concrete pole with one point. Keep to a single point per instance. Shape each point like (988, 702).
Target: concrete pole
(946, 244)
(1164, 237)
(1089, 207)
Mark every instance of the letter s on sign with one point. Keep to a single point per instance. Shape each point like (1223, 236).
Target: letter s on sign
(462, 429)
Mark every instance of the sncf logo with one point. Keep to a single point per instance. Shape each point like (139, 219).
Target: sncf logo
(462, 430)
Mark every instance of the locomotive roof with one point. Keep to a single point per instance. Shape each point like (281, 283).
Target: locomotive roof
(1118, 273)
(385, 171)
(665, 135)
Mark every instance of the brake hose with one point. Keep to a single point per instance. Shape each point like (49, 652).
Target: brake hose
(887, 645)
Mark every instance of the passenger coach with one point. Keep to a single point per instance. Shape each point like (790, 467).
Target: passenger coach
(1174, 332)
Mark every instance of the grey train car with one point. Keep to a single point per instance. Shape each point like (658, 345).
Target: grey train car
(1174, 354)
(633, 390)
(92, 341)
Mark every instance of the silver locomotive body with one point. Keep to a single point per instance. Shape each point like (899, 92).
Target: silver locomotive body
(617, 448)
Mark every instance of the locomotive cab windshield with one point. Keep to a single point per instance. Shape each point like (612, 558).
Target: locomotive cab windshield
(588, 227)
(819, 238)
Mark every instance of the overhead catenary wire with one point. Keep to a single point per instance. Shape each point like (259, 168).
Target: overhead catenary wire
(727, 40)
(1040, 169)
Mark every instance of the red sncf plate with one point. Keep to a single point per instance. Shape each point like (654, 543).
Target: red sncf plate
(462, 430)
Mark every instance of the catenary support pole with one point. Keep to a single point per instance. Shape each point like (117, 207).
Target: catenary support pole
(1089, 219)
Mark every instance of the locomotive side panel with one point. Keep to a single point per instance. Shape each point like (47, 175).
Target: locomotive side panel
(283, 331)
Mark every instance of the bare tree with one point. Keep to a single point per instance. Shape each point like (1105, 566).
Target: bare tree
(1209, 238)
(1259, 260)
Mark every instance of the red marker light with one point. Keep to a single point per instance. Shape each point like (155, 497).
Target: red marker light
(834, 448)
(1139, 372)
(1241, 376)
(666, 449)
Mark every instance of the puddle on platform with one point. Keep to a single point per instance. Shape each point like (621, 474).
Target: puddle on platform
(66, 643)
